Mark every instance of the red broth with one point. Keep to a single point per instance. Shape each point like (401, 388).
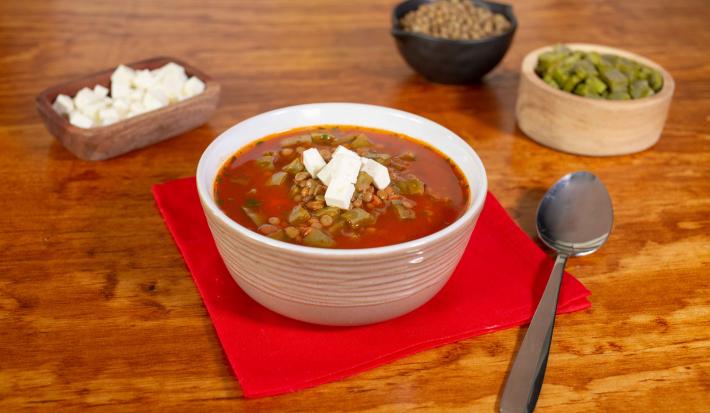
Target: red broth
(404, 212)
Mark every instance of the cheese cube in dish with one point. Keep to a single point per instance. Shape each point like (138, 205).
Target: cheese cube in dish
(121, 105)
(171, 69)
(108, 116)
(123, 74)
(193, 86)
(120, 89)
(92, 110)
(143, 79)
(100, 92)
(84, 98)
(339, 193)
(63, 104)
(155, 99)
(313, 161)
(78, 119)
(137, 95)
(379, 173)
(136, 109)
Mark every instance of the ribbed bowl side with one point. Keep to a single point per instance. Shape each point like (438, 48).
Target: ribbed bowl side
(338, 281)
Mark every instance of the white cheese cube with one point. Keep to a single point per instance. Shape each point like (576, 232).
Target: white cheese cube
(122, 106)
(108, 116)
(339, 193)
(136, 95)
(343, 166)
(342, 150)
(123, 74)
(78, 119)
(326, 173)
(193, 86)
(84, 98)
(173, 88)
(120, 89)
(63, 104)
(347, 167)
(100, 92)
(313, 161)
(136, 109)
(155, 99)
(172, 79)
(144, 79)
(92, 110)
(379, 173)
(171, 69)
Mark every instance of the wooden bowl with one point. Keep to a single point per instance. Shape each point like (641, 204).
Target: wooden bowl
(587, 126)
(104, 142)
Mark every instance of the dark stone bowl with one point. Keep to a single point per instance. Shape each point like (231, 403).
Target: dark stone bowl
(452, 61)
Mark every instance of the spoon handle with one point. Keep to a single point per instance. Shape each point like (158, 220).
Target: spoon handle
(525, 379)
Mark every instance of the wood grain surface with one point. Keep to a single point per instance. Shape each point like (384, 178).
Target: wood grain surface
(97, 309)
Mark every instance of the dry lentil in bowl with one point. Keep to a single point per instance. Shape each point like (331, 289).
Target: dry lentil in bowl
(267, 188)
(455, 20)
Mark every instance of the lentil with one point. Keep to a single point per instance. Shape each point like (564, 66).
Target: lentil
(455, 20)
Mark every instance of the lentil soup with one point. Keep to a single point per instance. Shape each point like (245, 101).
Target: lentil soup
(271, 188)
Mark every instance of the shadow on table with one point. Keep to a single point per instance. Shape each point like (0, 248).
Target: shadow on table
(482, 110)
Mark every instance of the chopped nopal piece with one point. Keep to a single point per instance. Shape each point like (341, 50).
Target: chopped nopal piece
(123, 74)
(293, 167)
(100, 92)
(339, 193)
(298, 215)
(411, 186)
(313, 161)
(84, 97)
(379, 173)
(358, 217)
(318, 238)
(63, 104)
(77, 118)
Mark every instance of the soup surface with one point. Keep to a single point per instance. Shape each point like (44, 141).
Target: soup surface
(265, 187)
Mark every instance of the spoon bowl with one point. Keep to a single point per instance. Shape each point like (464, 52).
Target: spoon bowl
(575, 216)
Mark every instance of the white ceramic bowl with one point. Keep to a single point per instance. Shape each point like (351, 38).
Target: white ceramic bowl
(340, 286)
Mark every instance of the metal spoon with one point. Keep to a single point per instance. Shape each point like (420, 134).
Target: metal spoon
(574, 218)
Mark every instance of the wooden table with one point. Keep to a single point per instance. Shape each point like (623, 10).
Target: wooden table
(97, 309)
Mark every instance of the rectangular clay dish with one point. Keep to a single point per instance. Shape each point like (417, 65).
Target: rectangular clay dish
(104, 142)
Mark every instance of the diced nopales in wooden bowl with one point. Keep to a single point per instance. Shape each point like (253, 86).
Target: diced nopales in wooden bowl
(587, 126)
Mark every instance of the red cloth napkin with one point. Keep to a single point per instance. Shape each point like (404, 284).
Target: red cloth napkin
(496, 286)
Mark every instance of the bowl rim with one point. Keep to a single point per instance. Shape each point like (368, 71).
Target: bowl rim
(398, 31)
(527, 69)
(477, 197)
